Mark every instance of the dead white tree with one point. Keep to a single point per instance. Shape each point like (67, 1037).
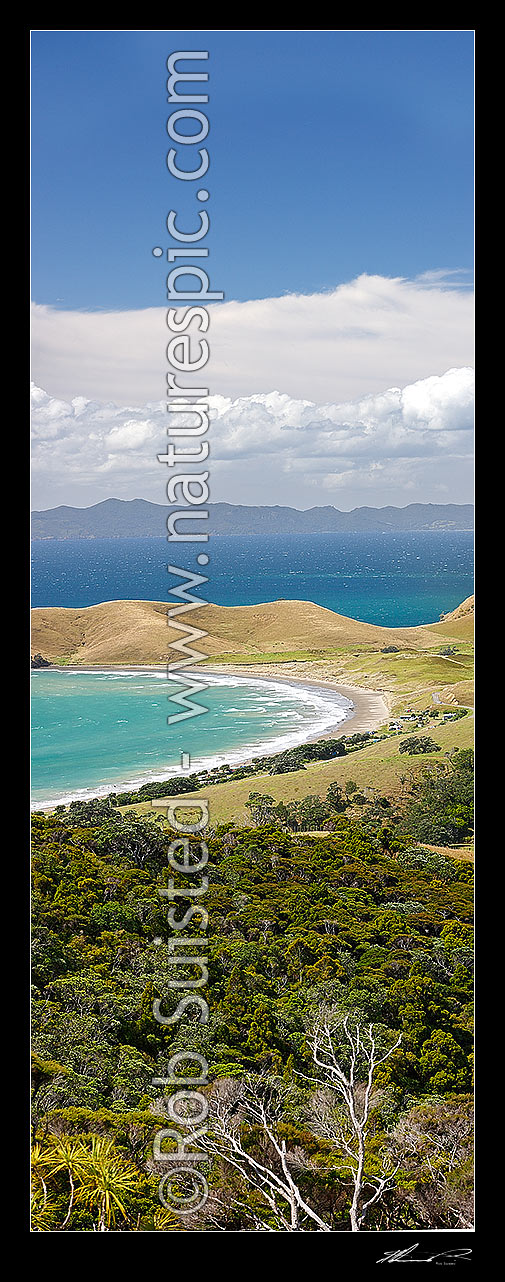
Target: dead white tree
(246, 1130)
(353, 1087)
(237, 1107)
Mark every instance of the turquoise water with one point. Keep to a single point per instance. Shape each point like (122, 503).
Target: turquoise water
(94, 732)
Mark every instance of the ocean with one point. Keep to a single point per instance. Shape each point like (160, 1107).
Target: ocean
(94, 732)
(398, 580)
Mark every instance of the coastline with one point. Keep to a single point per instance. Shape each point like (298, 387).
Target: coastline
(370, 707)
(366, 711)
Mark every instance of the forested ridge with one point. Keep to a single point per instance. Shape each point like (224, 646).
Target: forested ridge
(130, 518)
(314, 939)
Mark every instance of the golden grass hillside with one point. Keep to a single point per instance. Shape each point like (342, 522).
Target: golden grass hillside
(462, 611)
(380, 766)
(137, 632)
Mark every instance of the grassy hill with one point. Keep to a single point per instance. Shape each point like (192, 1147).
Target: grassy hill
(136, 632)
(296, 640)
(379, 766)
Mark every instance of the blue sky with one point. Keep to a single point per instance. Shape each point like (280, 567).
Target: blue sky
(332, 154)
(341, 233)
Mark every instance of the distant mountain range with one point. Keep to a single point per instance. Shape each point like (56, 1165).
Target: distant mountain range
(137, 518)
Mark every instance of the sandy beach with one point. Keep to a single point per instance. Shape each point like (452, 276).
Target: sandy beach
(370, 708)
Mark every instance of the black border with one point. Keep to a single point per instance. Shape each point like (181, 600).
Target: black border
(366, 1248)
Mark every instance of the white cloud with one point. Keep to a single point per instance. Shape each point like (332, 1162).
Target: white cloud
(371, 333)
(130, 435)
(390, 446)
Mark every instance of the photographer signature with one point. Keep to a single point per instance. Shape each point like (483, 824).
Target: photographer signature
(440, 1257)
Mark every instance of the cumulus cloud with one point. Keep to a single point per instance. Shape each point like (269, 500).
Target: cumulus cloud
(389, 446)
(371, 333)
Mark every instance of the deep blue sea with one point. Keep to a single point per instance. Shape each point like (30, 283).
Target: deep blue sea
(392, 579)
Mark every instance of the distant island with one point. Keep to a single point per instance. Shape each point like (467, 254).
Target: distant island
(137, 518)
